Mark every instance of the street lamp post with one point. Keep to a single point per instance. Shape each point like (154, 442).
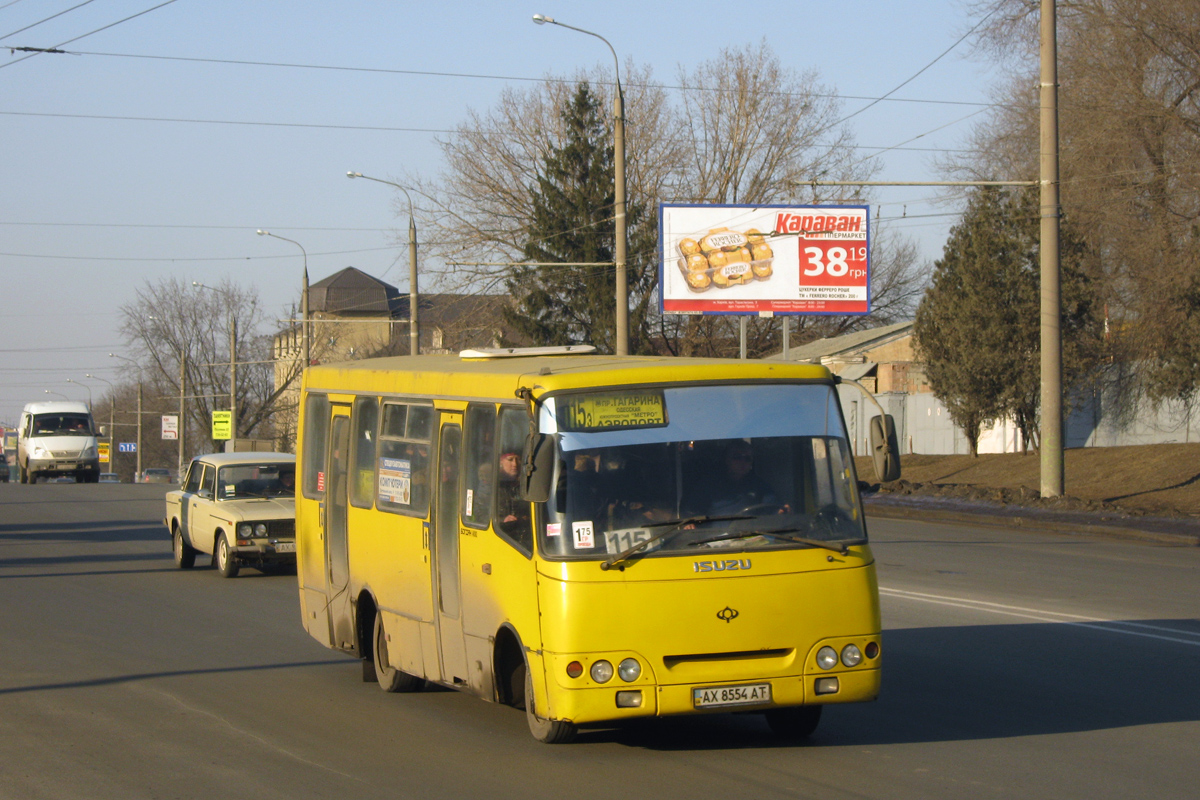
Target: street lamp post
(622, 310)
(57, 394)
(89, 391)
(414, 330)
(112, 425)
(182, 434)
(304, 339)
(233, 411)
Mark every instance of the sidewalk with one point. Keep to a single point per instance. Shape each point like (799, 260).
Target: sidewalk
(1178, 531)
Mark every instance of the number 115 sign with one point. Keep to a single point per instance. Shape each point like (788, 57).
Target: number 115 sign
(755, 259)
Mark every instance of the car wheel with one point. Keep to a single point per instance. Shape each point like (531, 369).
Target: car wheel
(547, 731)
(794, 722)
(226, 561)
(185, 554)
(22, 474)
(390, 678)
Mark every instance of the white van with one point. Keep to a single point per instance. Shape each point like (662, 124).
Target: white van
(57, 438)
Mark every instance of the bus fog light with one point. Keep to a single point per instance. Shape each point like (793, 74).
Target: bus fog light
(851, 655)
(629, 699)
(872, 649)
(602, 671)
(827, 658)
(629, 670)
(826, 686)
(574, 669)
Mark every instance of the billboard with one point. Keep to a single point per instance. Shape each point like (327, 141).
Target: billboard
(740, 259)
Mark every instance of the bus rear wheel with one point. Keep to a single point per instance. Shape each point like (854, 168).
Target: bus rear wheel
(390, 678)
(547, 731)
(794, 722)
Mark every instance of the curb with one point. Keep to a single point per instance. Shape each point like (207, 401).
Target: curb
(1041, 521)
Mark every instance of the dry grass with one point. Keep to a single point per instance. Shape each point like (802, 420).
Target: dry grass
(1154, 479)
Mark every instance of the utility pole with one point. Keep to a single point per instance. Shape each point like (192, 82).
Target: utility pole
(139, 435)
(182, 418)
(1051, 444)
(233, 417)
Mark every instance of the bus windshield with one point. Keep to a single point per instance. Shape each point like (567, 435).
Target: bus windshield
(718, 468)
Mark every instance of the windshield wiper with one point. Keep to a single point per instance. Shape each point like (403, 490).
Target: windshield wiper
(676, 526)
(839, 546)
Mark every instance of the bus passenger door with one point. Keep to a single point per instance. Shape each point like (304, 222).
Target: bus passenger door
(445, 551)
(337, 553)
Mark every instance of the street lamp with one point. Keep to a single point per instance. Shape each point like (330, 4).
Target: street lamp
(233, 415)
(112, 425)
(303, 295)
(89, 391)
(414, 331)
(622, 315)
(63, 396)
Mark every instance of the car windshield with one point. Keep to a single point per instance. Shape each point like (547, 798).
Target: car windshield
(724, 468)
(62, 425)
(256, 480)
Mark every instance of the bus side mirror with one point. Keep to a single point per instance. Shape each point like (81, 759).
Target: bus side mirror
(538, 466)
(885, 449)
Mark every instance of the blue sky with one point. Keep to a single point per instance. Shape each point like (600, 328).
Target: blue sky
(122, 164)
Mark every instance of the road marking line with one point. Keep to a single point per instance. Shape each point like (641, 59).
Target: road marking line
(1042, 615)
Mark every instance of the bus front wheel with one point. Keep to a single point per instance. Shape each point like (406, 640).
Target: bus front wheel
(794, 722)
(390, 679)
(548, 731)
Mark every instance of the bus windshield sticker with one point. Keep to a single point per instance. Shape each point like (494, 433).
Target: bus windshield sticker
(554, 529)
(612, 411)
(395, 480)
(622, 540)
(585, 536)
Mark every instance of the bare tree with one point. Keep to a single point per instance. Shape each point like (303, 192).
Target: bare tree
(1130, 140)
(169, 322)
(740, 128)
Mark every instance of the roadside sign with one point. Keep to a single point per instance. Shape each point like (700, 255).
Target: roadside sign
(798, 260)
(102, 447)
(170, 426)
(126, 447)
(222, 424)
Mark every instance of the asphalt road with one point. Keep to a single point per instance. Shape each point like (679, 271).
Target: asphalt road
(1017, 664)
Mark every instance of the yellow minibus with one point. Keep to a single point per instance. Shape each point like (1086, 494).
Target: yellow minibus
(591, 538)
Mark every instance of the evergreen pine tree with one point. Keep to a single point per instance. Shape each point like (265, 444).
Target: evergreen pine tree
(573, 222)
(978, 327)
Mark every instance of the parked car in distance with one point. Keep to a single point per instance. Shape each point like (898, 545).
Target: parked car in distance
(156, 475)
(3, 470)
(239, 508)
(109, 477)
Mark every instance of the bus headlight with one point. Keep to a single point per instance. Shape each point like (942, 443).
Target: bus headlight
(851, 655)
(827, 657)
(602, 671)
(629, 670)
(260, 529)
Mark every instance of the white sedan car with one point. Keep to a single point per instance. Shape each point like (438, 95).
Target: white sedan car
(239, 508)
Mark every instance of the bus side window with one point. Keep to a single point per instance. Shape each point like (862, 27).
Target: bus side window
(402, 465)
(316, 427)
(511, 516)
(479, 479)
(362, 481)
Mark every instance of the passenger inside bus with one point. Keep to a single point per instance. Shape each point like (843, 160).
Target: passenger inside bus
(512, 511)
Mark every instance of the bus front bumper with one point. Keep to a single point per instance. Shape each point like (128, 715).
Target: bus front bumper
(613, 702)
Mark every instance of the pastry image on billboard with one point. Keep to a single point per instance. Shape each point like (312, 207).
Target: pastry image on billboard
(724, 257)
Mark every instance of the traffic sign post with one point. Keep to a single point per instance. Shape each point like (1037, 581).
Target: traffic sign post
(222, 425)
(102, 448)
(170, 426)
(127, 447)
